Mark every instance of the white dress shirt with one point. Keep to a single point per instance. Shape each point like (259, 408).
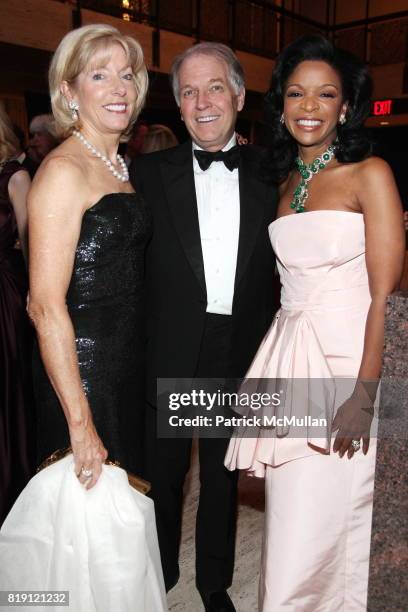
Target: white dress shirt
(217, 191)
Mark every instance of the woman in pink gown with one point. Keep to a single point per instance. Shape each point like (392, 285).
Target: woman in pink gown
(337, 264)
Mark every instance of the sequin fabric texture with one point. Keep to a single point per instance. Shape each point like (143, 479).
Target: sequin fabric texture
(105, 300)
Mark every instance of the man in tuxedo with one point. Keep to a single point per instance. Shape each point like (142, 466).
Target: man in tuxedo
(210, 296)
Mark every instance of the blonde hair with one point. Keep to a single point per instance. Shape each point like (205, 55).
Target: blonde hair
(9, 144)
(75, 51)
(158, 137)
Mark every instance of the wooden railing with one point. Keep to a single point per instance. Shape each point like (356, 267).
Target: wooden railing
(261, 26)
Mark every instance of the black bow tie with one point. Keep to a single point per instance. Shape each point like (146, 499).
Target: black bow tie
(206, 158)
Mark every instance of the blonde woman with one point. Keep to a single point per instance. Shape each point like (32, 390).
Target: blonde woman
(88, 230)
(15, 462)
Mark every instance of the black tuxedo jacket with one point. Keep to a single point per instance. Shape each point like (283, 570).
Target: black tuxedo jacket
(175, 280)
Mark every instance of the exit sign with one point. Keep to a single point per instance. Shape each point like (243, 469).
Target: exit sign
(382, 107)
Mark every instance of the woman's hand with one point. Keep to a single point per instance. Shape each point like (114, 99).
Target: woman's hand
(353, 422)
(89, 453)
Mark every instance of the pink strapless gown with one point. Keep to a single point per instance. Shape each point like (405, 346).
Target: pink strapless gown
(318, 506)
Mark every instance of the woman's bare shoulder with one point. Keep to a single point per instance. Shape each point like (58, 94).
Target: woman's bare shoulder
(62, 174)
(62, 163)
(375, 186)
(21, 178)
(371, 168)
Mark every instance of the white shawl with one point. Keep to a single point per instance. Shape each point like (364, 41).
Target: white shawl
(100, 545)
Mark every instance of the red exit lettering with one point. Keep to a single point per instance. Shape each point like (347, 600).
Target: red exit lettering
(382, 107)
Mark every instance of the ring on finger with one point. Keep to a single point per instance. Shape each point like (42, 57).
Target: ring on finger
(86, 473)
(355, 445)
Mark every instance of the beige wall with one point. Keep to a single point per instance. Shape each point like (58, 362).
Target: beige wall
(258, 71)
(41, 24)
(170, 46)
(25, 25)
(34, 23)
(140, 31)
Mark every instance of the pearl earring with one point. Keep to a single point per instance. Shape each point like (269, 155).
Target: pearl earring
(74, 108)
(342, 120)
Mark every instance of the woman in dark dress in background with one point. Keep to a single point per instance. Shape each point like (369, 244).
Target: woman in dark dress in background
(16, 461)
(88, 231)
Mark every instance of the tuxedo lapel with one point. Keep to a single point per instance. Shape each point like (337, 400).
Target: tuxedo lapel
(252, 193)
(178, 178)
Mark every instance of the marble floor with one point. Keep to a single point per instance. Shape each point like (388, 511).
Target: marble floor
(184, 596)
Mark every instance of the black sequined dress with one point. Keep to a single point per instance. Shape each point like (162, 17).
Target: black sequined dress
(105, 301)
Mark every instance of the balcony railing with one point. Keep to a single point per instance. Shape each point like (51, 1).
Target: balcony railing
(261, 26)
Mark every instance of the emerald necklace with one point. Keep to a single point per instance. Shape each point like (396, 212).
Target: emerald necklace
(307, 172)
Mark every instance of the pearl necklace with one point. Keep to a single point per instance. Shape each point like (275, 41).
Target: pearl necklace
(307, 172)
(121, 176)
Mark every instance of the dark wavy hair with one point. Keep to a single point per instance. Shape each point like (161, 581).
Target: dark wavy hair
(353, 143)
